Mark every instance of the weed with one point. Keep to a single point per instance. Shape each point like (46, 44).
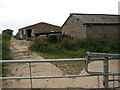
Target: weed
(72, 48)
(5, 47)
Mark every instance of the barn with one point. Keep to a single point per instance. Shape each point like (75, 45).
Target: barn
(39, 29)
(96, 25)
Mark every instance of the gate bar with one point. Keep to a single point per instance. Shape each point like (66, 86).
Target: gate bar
(106, 83)
(52, 60)
(49, 60)
(45, 77)
(103, 55)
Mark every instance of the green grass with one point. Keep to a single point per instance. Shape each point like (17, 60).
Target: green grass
(5, 47)
(6, 51)
(70, 68)
(6, 55)
(72, 48)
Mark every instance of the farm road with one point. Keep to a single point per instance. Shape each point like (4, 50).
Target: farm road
(20, 51)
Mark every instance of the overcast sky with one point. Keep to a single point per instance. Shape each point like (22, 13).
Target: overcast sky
(15, 14)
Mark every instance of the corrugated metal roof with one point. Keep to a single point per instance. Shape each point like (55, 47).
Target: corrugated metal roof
(97, 18)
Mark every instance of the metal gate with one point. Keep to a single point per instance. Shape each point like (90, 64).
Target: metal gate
(89, 56)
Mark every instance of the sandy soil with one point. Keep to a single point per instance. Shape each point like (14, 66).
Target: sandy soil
(92, 82)
(19, 50)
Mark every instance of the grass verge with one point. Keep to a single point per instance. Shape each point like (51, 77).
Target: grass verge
(69, 68)
(72, 48)
(6, 55)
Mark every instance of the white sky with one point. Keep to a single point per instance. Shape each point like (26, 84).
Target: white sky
(15, 14)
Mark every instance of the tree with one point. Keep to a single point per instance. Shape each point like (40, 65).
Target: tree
(8, 31)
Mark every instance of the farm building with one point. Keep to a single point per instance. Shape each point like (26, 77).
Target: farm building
(39, 29)
(97, 25)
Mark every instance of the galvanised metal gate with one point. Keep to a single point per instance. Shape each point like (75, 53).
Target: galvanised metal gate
(105, 57)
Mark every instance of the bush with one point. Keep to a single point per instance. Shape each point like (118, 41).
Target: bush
(6, 51)
(6, 37)
(8, 31)
(18, 38)
(70, 47)
(42, 46)
(5, 47)
(30, 39)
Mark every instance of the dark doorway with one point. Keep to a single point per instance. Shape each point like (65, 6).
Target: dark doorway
(29, 32)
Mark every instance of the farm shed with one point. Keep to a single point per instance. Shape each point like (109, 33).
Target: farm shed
(96, 25)
(39, 29)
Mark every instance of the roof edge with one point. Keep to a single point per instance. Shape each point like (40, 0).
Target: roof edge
(40, 23)
(66, 20)
(93, 14)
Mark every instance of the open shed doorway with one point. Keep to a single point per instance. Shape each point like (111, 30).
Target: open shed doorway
(29, 32)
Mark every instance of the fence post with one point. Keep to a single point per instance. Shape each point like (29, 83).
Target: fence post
(105, 82)
(98, 81)
(30, 75)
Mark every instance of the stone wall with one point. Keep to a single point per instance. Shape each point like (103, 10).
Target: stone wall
(74, 28)
(103, 31)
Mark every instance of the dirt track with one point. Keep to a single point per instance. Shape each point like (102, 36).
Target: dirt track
(19, 50)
